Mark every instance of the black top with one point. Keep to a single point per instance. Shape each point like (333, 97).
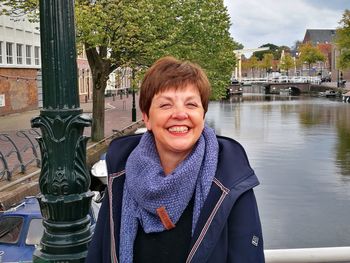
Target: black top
(170, 246)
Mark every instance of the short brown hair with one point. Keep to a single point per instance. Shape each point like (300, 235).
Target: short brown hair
(169, 72)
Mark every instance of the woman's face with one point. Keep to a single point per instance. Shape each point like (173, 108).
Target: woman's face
(176, 118)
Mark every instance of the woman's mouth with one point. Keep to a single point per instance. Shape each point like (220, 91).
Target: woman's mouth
(178, 129)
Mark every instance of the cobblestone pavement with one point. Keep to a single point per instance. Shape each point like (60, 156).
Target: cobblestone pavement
(117, 117)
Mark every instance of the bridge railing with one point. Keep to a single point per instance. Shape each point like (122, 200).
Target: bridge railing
(282, 79)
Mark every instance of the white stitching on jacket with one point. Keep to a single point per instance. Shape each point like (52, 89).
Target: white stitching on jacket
(225, 191)
(112, 176)
(223, 188)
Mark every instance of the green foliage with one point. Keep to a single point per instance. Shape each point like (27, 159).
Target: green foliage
(17, 8)
(274, 50)
(343, 41)
(135, 33)
(260, 54)
(266, 62)
(254, 63)
(286, 62)
(280, 49)
(203, 37)
(310, 54)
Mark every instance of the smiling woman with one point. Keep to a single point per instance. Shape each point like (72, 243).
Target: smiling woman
(176, 119)
(177, 193)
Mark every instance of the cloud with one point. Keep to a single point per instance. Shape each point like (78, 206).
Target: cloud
(255, 23)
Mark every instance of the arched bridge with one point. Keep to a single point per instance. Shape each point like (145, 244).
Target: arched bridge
(294, 88)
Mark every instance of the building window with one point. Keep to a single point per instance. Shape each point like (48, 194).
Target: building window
(9, 52)
(19, 51)
(37, 55)
(28, 54)
(0, 52)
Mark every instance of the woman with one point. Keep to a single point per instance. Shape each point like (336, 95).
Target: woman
(177, 193)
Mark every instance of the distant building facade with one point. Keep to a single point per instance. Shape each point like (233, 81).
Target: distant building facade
(319, 36)
(337, 74)
(20, 67)
(84, 77)
(20, 63)
(323, 39)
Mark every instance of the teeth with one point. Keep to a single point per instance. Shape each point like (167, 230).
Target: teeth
(179, 129)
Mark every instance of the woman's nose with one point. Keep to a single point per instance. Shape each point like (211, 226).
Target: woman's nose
(180, 114)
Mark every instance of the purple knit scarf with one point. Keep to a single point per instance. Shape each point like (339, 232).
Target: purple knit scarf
(147, 188)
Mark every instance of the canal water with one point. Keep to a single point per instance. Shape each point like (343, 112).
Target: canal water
(299, 148)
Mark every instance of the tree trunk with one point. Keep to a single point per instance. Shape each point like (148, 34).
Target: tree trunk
(100, 68)
(98, 110)
(309, 69)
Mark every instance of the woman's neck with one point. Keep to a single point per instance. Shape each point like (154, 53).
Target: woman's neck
(170, 161)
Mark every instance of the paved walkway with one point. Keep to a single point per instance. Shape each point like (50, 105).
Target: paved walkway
(117, 116)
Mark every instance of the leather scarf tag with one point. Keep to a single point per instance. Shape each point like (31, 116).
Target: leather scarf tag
(164, 217)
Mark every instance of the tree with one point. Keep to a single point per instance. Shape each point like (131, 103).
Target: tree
(206, 41)
(286, 63)
(135, 33)
(310, 54)
(254, 64)
(297, 44)
(343, 41)
(273, 49)
(267, 62)
(280, 50)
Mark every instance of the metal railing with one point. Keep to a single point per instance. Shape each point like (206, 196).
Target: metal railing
(308, 255)
(18, 150)
(283, 79)
(116, 133)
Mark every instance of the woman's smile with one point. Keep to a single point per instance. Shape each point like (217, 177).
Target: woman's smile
(176, 119)
(178, 130)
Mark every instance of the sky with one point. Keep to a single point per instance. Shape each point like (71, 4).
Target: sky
(258, 22)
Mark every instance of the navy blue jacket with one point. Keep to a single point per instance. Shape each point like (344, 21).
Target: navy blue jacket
(228, 229)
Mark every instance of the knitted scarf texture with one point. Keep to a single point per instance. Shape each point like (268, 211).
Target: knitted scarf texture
(147, 188)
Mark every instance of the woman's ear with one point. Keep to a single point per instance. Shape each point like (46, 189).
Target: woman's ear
(146, 121)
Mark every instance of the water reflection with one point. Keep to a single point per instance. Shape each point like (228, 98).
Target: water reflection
(300, 149)
(343, 145)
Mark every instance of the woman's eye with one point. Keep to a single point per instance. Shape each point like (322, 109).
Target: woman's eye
(165, 105)
(192, 105)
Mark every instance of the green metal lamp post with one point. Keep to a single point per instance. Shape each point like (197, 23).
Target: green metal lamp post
(133, 109)
(64, 181)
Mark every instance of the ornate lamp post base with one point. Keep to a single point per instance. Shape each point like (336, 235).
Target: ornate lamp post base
(66, 239)
(64, 181)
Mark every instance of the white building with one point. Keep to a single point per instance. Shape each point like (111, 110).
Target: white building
(19, 64)
(119, 80)
(19, 43)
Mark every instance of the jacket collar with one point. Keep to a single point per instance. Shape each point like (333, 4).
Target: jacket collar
(231, 180)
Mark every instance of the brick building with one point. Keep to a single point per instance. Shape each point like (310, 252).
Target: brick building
(84, 78)
(324, 40)
(19, 65)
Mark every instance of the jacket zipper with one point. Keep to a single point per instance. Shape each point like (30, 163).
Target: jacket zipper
(194, 249)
